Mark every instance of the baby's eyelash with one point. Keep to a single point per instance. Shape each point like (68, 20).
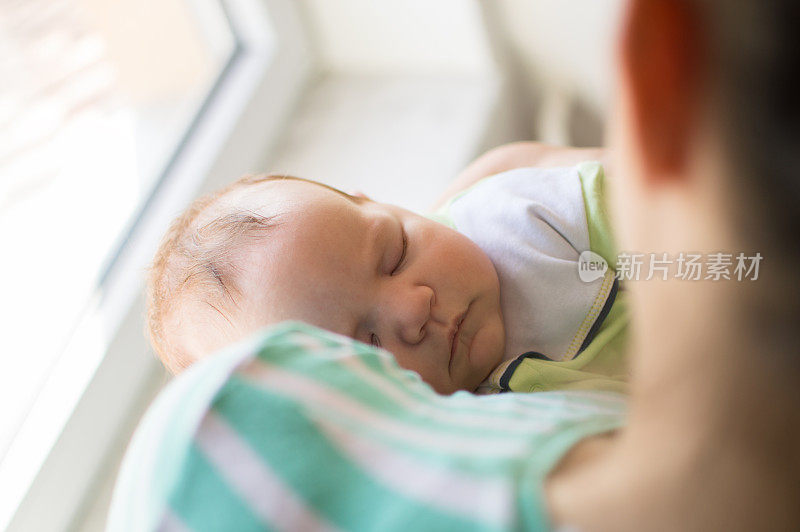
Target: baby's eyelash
(403, 254)
(374, 340)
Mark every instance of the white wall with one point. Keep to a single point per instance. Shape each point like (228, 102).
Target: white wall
(565, 45)
(399, 37)
(555, 56)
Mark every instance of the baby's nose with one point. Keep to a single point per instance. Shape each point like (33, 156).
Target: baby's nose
(412, 310)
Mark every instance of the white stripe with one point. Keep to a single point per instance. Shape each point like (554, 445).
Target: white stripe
(450, 491)
(598, 402)
(616, 400)
(172, 523)
(569, 404)
(434, 409)
(253, 480)
(326, 401)
(483, 409)
(606, 403)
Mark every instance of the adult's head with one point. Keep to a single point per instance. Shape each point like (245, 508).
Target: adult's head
(706, 142)
(708, 151)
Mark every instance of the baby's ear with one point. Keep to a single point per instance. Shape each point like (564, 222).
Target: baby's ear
(359, 194)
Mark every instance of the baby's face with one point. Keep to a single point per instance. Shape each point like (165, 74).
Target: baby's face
(382, 275)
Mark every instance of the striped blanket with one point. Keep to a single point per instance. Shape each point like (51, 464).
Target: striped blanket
(299, 428)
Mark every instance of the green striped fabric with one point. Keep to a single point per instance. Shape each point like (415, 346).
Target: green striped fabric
(299, 428)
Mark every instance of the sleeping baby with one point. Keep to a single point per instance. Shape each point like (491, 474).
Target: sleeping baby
(484, 295)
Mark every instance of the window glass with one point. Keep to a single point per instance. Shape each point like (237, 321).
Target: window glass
(95, 99)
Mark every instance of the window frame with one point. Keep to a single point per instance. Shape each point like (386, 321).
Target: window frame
(102, 380)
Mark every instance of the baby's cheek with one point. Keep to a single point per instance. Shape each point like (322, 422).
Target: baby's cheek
(487, 350)
(408, 361)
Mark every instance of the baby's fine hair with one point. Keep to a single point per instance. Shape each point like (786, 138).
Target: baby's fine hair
(198, 261)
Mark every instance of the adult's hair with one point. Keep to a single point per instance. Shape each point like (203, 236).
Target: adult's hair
(754, 53)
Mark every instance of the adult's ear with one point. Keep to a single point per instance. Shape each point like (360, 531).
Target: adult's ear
(662, 57)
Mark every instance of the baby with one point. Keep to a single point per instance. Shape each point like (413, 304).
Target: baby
(272, 248)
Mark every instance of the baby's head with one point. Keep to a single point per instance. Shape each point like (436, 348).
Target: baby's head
(272, 248)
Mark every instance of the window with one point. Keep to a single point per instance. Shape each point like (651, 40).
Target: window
(96, 99)
(112, 116)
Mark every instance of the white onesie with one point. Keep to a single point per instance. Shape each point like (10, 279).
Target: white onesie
(532, 223)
